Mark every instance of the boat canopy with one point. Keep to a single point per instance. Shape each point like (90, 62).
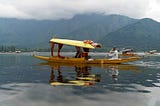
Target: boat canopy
(85, 44)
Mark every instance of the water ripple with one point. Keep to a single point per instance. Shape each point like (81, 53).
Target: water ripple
(148, 64)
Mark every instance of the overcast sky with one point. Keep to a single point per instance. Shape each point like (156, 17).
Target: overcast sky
(58, 9)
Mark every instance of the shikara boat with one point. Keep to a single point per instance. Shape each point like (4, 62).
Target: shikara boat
(127, 53)
(84, 61)
(152, 51)
(80, 57)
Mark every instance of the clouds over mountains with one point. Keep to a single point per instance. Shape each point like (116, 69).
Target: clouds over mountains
(59, 9)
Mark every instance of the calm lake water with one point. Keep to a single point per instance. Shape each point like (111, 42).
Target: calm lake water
(26, 81)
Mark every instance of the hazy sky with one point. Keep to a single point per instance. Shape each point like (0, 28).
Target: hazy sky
(57, 9)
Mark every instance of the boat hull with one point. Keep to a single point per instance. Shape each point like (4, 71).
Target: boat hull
(61, 60)
(115, 61)
(84, 61)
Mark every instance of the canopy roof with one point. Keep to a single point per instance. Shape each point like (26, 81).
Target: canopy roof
(85, 44)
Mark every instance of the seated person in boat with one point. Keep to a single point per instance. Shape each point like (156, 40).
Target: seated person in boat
(85, 53)
(113, 53)
(78, 53)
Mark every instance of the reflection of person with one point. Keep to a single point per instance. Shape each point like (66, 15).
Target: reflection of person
(84, 75)
(114, 53)
(59, 77)
(114, 72)
(52, 76)
(82, 71)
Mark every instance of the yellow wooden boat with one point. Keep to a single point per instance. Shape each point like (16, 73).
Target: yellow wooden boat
(81, 57)
(84, 61)
(110, 61)
(56, 59)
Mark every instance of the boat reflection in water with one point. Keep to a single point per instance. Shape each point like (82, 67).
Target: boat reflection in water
(113, 70)
(82, 76)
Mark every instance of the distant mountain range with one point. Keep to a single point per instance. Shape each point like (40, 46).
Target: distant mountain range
(110, 30)
(141, 35)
